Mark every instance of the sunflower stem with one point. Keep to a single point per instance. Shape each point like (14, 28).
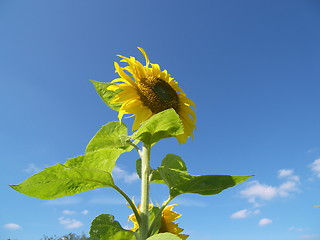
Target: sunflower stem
(145, 189)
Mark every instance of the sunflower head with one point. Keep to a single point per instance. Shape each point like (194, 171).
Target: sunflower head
(145, 90)
(167, 224)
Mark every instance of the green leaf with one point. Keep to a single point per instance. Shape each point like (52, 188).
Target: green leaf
(171, 161)
(104, 227)
(174, 162)
(112, 135)
(105, 94)
(59, 181)
(173, 172)
(103, 159)
(180, 182)
(162, 125)
(164, 236)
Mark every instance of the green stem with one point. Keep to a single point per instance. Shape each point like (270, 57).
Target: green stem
(131, 203)
(145, 189)
(158, 216)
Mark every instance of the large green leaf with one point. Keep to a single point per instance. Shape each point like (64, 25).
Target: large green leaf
(103, 159)
(86, 172)
(59, 181)
(164, 236)
(105, 94)
(171, 161)
(162, 125)
(112, 135)
(104, 227)
(180, 182)
(173, 172)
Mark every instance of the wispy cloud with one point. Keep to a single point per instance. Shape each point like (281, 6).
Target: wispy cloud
(289, 174)
(264, 222)
(315, 167)
(256, 191)
(310, 236)
(68, 212)
(64, 201)
(69, 223)
(297, 229)
(84, 212)
(244, 213)
(312, 150)
(12, 226)
(107, 201)
(190, 202)
(127, 177)
(32, 168)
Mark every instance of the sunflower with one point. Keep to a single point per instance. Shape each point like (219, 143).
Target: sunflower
(167, 224)
(146, 90)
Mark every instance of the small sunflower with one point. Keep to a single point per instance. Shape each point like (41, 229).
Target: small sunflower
(146, 90)
(167, 224)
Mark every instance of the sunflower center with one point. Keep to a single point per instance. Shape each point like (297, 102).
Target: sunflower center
(157, 95)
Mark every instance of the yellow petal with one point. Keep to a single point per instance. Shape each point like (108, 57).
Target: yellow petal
(186, 100)
(188, 110)
(183, 236)
(127, 94)
(143, 114)
(123, 75)
(156, 70)
(145, 56)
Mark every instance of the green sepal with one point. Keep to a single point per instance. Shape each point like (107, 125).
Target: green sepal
(152, 214)
(161, 125)
(107, 95)
(59, 181)
(104, 227)
(164, 236)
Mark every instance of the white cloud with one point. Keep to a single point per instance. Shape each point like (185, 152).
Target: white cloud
(286, 188)
(70, 223)
(85, 212)
(315, 167)
(310, 236)
(285, 173)
(311, 150)
(256, 191)
(244, 213)
(32, 168)
(264, 222)
(107, 201)
(190, 202)
(297, 229)
(64, 201)
(12, 226)
(68, 212)
(289, 174)
(119, 173)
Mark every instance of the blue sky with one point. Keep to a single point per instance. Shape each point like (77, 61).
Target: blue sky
(251, 67)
